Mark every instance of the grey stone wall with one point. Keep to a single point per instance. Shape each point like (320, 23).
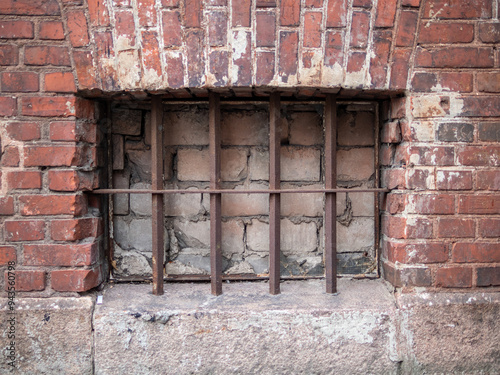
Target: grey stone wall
(245, 165)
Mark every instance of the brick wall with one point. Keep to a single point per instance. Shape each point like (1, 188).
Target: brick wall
(440, 142)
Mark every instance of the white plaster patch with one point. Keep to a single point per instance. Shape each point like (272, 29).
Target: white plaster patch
(332, 75)
(240, 45)
(128, 69)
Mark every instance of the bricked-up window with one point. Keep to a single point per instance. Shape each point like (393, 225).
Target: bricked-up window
(245, 161)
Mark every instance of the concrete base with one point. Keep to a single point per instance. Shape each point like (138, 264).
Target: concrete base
(365, 329)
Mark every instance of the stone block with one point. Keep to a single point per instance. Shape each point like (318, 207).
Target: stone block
(131, 233)
(121, 201)
(187, 128)
(183, 204)
(259, 165)
(52, 335)
(300, 164)
(258, 236)
(141, 204)
(234, 164)
(357, 237)
(246, 204)
(355, 128)
(140, 163)
(131, 262)
(363, 204)
(356, 164)
(232, 238)
(307, 204)
(192, 234)
(127, 121)
(193, 165)
(245, 128)
(118, 152)
(306, 128)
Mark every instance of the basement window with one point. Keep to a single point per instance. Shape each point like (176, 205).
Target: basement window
(240, 189)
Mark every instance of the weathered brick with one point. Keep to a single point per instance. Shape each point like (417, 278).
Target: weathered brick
(70, 180)
(73, 131)
(76, 280)
(24, 180)
(172, 3)
(265, 29)
(217, 28)
(489, 227)
(446, 9)
(407, 276)
(27, 281)
(312, 29)
(438, 32)
(195, 62)
(20, 82)
(479, 155)
(400, 66)
(175, 70)
(418, 179)
(393, 178)
(290, 13)
(77, 28)
(453, 180)
(49, 106)
(456, 81)
(454, 277)
(30, 7)
(424, 82)
(23, 130)
(391, 132)
(479, 204)
(10, 156)
(488, 179)
(51, 30)
(382, 40)
(386, 11)
(355, 64)
(456, 228)
(427, 155)
(489, 32)
(455, 57)
(61, 254)
(46, 55)
(241, 74)
(407, 27)
(53, 156)
(172, 32)
(32, 205)
(9, 55)
(152, 73)
(60, 82)
(219, 64)
(16, 29)
(288, 55)
(7, 254)
(477, 252)
(488, 82)
(334, 53)
(455, 132)
(26, 230)
(192, 17)
(6, 206)
(265, 68)
(146, 12)
(430, 204)
(336, 12)
(85, 70)
(429, 252)
(125, 30)
(75, 229)
(488, 276)
(479, 106)
(98, 13)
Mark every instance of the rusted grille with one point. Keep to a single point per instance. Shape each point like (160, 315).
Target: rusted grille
(215, 192)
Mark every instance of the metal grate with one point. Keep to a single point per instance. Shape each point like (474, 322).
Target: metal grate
(274, 192)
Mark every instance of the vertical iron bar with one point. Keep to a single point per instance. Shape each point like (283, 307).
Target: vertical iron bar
(109, 203)
(215, 198)
(331, 198)
(377, 185)
(274, 198)
(157, 199)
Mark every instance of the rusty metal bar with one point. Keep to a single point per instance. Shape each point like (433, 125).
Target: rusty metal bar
(157, 198)
(331, 197)
(108, 219)
(215, 198)
(225, 191)
(377, 185)
(274, 197)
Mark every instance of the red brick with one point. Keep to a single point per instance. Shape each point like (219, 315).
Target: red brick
(10, 156)
(105, 52)
(432, 204)
(265, 68)
(395, 203)
(98, 13)
(75, 229)
(479, 156)
(73, 131)
(336, 13)
(312, 29)
(454, 277)
(146, 12)
(424, 82)
(26, 230)
(8, 106)
(386, 11)
(23, 130)
(456, 228)
(410, 3)
(244, 61)
(477, 252)
(290, 13)
(24, 180)
(217, 28)
(391, 132)
(85, 70)
(27, 281)
(437, 32)
(356, 61)
(386, 154)
(489, 32)
(382, 40)
(455, 57)
(407, 28)
(438, 155)
(9, 55)
(192, 17)
(488, 82)
(46, 55)
(456, 81)
(394, 226)
(419, 228)
(407, 276)
(393, 178)
(265, 29)
(151, 57)
(265, 3)
(362, 3)
(334, 43)
(288, 54)
(70, 180)
(6, 206)
(20, 82)
(488, 179)
(51, 30)
(454, 180)
(489, 131)
(75, 280)
(417, 178)
(16, 30)
(7, 254)
(474, 106)
(60, 82)
(359, 29)
(195, 60)
(61, 254)
(49, 106)
(447, 9)
(172, 32)
(172, 3)
(479, 204)
(425, 253)
(30, 7)
(455, 132)
(314, 3)
(54, 156)
(125, 26)
(488, 276)
(33, 205)
(399, 71)
(175, 71)
(219, 61)
(489, 227)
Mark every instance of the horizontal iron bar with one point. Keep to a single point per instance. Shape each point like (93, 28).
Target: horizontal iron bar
(224, 191)
(197, 277)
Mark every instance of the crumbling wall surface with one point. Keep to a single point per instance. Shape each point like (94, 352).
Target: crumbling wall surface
(245, 165)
